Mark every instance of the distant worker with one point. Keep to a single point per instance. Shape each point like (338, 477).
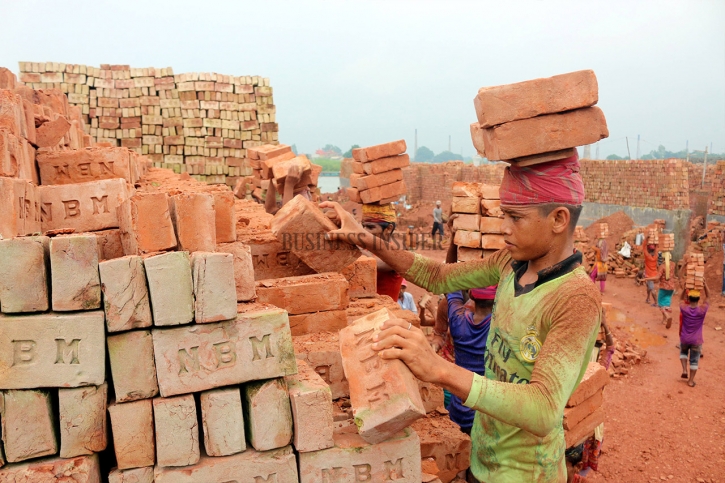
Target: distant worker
(666, 276)
(437, 221)
(405, 298)
(599, 271)
(693, 308)
(650, 272)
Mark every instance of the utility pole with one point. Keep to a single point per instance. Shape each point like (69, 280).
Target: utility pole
(415, 151)
(629, 156)
(704, 170)
(587, 152)
(596, 156)
(687, 150)
(637, 147)
(449, 143)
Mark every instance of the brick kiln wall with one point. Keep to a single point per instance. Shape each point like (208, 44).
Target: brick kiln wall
(431, 182)
(717, 196)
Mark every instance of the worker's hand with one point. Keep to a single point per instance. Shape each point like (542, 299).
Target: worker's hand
(397, 341)
(293, 175)
(437, 343)
(350, 230)
(452, 217)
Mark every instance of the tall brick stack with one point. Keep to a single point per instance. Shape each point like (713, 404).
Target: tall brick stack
(479, 220)
(695, 271)
(717, 196)
(377, 173)
(603, 230)
(538, 120)
(196, 123)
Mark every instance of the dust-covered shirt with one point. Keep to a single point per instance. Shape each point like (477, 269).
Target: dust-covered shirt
(540, 340)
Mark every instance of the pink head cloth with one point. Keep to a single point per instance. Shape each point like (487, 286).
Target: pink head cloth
(552, 182)
(487, 293)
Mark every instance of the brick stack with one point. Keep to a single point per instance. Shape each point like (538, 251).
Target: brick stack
(653, 236)
(717, 196)
(478, 224)
(196, 123)
(377, 173)
(667, 242)
(538, 120)
(603, 230)
(695, 271)
(270, 163)
(584, 410)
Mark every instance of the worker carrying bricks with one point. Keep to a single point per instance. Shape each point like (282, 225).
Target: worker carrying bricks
(545, 322)
(379, 220)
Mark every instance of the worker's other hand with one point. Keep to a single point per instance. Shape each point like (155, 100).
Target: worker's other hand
(437, 343)
(350, 230)
(450, 222)
(293, 174)
(399, 340)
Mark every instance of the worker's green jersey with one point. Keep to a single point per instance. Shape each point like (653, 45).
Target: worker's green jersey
(539, 343)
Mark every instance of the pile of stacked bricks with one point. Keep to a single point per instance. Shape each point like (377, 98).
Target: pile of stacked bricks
(478, 221)
(695, 271)
(717, 197)
(377, 173)
(196, 123)
(626, 353)
(539, 120)
(584, 410)
(710, 242)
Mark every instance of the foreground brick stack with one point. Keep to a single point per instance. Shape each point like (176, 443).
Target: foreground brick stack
(196, 123)
(695, 271)
(479, 220)
(538, 120)
(584, 410)
(377, 175)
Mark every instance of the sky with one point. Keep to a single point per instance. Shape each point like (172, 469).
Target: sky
(368, 72)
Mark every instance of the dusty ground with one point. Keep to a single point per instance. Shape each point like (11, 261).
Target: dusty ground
(658, 428)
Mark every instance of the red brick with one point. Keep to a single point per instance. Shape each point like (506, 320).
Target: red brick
(470, 239)
(491, 225)
(379, 151)
(78, 166)
(551, 132)
(281, 168)
(50, 133)
(7, 79)
(30, 132)
(268, 151)
(327, 321)
(492, 242)
(386, 164)
(384, 192)
(321, 351)
(145, 224)
(594, 379)
(243, 269)
(225, 221)
(584, 429)
(442, 441)
(9, 153)
(353, 194)
(270, 259)
(300, 226)
(467, 204)
(12, 117)
(461, 188)
(575, 415)
(466, 254)
(489, 191)
(194, 217)
(467, 221)
(491, 208)
(357, 168)
(477, 139)
(19, 208)
(305, 294)
(374, 180)
(267, 164)
(361, 275)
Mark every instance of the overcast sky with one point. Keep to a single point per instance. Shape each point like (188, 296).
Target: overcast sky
(367, 72)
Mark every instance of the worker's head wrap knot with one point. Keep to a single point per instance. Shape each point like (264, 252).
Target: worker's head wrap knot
(552, 182)
(486, 293)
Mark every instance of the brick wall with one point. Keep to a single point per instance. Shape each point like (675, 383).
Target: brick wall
(717, 197)
(431, 182)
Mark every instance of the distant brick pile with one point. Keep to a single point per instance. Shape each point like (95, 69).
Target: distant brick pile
(431, 182)
(196, 123)
(717, 198)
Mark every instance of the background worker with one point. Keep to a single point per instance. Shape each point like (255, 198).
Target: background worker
(693, 308)
(666, 278)
(405, 298)
(437, 221)
(650, 272)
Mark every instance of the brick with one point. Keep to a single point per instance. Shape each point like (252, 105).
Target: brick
(27, 425)
(125, 295)
(551, 132)
(576, 414)
(305, 294)
(321, 351)
(131, 356)
(83, 469)
(489, 191)
(327, 321)
(257, 345)
(594, 379)
(523, 100)
(357, 168)
(12, 118)
(281, 168)
(374, 180)
(431, 395)
(361, 276)
(466, 254)
(223, 421)
(109, 244)
(170, 288)
(300, 226)
(353, 194)
(271, 259)
(267, 414)
(461, 188)
(382, 193)
(24, 264)
(379, 151)
(82, 414)
(215, 296)
(249, 467)
(468, 204)
(467, 221)
(19, 208)
(50, 133)
(30, 132)
(267, 166)
(243, 269)
(352, 459)
(383, 393)
(386, 164)
(82, 165)
(491, 225)
(177, 433)
(135, 475)
(477, 138)
(492, 242)
(10, 154)
(311, 403)
(145, 223)
(194, 221)
(491, 208)
(442, 441)
(75, 282)
(132, 426)
(584, 429)
(84, 207)
(224, 221)
(7, 79)
(470, 239)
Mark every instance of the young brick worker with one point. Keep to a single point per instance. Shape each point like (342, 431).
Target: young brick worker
(545, 321)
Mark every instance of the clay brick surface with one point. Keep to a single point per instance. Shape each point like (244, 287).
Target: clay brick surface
(379, 151)
(170, 288)
(491, 225)
(575, 415)
(522, 100)
(109, 244)
(82, 420)
(257, 345)
(300, 226)
(52, 350)
(442, 440)
(328, 321)
(136, 475)
(223, 421)
(194, 221)
(214, 287)
(83, 469)
(462, 188)
(50, 133)
(386, 164)
(491, 208)
(470, 239)
(282, 167)
(177, 433)
(584, 429)
(132, 426)
(305, 294)
(82, 165)
(492, 242)
(321, 351)
(352, 460)
(468, 204)
(311, 403)
(271, 259)
(84, 207)
(267, 151)
(225, 222)
(248, 467)
(75, 282)
(12, 117)
(551, 132)
(24, 283)
(125, 295)
(594, 379)
(27, 425)
(131, 356)
(477, 138)
(267, 414)
(243, 269)
(145, 223)
(383, 193)
(384, 393)
(466, 254)
(374, 180)
(19, 208)
(489, 191)
(431, 395)
(362, 277)
(467, 221)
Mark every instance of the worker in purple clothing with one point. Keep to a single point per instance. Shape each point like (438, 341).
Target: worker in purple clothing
(693, 309)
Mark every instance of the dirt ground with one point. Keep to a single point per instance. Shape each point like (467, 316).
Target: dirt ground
(658, 428)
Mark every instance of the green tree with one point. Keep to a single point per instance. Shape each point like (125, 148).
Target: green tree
(348, 153)
(424, 155)
(331, 148)
(444, 156)
(614, 157)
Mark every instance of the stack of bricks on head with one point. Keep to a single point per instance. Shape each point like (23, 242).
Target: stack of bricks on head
(155, 328)
(377, 176)
(478, 221)
(695, 271)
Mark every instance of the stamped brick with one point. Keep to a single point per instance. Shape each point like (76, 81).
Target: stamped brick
(145, 224)
(28, 425)
(170, 288)
(131, 355)
(328, 321)
(24, 264)
(109, 244)
(52, 350)
(431, 395)
(243, 269)
(76, 284)
(267, 414)
(82, 413)
(177, 433)
(311, 402)
(19, 208)
(82, 469)
(362, 277)
(305, 294)
(125, 294)
(270, 259)
(194, 221)
(257, 345)
(214, 287)
(321, 351)
(82, 165)
(223, 421)
(442, 441)
(379, 151)
(132, 426)
(135, 475)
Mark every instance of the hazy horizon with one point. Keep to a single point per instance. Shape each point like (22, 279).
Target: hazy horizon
(373, 71)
